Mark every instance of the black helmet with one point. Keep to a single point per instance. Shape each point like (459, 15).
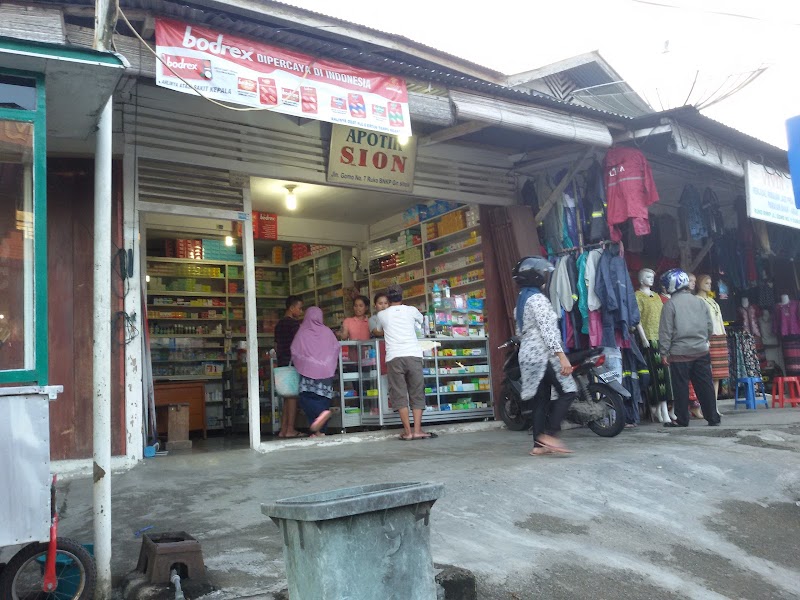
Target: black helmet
(532, 271)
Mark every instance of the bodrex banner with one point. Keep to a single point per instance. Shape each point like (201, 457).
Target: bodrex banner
(242, 71)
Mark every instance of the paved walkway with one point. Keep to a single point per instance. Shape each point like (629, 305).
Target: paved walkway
(702, 513)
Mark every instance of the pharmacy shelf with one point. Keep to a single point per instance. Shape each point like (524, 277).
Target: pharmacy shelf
(396, 269)
(186, 306)
(481, 356)
(188, 294)
(153, 318)
(187, 335)
(441, 274)
(459, 375)
(459, 393)
(189, 261)
(466, 285)
(186, 377)
(189, 360)
(454, 234)
(450, 253)
(187, 276)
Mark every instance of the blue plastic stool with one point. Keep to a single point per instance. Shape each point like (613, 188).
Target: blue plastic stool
(750, 401)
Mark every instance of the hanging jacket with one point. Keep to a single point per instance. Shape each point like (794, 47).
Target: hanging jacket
(713, 215)
(583, 293)
(592, 261)
(613, 286)
(561, 288)
(630, 189)
(552, 223)
(691, 204)
(595, 197)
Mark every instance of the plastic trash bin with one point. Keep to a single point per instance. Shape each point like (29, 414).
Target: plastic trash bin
(359, 543)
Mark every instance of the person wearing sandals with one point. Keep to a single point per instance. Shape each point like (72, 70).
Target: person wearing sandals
(541, 357)
(315, 355)
(398, 325)
(285, 330)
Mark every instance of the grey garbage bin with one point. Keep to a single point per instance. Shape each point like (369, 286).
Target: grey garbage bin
(360, 543)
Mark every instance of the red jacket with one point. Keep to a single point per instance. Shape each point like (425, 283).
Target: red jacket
(630, 189)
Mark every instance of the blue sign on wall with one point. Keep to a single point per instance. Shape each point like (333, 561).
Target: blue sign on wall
(793, 136)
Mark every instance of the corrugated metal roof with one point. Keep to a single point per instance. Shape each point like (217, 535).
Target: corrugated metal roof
(597, 89)
(317, 44)
(691, 117)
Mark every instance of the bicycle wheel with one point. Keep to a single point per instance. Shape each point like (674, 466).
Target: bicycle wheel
(23, 577)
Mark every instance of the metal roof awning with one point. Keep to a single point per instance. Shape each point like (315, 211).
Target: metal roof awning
(78, 82)
(534, 119)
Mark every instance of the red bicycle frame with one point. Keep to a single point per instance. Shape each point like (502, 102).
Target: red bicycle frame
(50, 582)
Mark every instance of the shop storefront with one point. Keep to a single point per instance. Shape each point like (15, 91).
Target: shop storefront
(699, 196)
(334, 211)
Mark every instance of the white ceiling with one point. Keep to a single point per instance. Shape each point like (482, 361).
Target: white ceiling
(328, 203)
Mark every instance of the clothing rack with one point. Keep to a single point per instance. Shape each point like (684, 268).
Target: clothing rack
(580, 249)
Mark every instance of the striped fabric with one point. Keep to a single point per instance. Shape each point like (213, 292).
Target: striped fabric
(791, 355)
(719, 357)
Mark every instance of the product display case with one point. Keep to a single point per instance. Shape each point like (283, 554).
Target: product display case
(439, 249)
(322, 279)
(457, 384)
(194, 306)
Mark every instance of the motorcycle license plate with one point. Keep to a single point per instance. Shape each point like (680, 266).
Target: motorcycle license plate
(609, 376)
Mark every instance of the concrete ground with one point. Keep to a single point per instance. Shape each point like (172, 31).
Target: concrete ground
(702, 513)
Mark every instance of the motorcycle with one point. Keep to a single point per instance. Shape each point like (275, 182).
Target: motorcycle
(598, 405)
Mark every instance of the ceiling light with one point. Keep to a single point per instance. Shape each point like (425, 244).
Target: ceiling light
(291, 199)
(228, 240)
(403, 139)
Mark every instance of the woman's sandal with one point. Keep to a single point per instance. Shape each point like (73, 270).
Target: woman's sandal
(540, 451)
(555, 448)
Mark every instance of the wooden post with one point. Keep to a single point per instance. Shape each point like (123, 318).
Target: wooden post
(545, 208)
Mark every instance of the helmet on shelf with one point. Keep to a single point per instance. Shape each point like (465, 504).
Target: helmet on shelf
(674, 280)
(532, 271)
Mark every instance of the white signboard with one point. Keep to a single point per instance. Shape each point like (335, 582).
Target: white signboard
(770, 196)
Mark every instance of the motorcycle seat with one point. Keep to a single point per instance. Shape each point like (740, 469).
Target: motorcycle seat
(576, 358)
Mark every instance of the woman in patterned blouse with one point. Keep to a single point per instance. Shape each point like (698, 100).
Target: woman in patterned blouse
(542, 360)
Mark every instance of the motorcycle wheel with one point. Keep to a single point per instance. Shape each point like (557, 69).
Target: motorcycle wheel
(614, 421)
(23, 577)
(511, 409)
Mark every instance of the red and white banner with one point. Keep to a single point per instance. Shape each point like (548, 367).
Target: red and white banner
(241, 71)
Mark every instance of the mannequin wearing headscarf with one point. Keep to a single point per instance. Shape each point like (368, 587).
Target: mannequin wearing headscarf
(315, 355)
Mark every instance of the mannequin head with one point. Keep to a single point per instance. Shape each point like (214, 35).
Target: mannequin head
(703, 284)
(646, 278)
(784, 299)
(692, 282)
(745, 302)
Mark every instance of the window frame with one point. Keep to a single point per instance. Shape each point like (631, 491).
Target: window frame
(39, 373)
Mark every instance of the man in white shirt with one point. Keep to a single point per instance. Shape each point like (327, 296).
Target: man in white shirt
(404, 362)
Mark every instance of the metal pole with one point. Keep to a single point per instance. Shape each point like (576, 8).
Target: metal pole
(101, 378)
(104, 21)
(253, 395)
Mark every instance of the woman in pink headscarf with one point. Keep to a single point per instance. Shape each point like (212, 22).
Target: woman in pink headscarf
(315, 355)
